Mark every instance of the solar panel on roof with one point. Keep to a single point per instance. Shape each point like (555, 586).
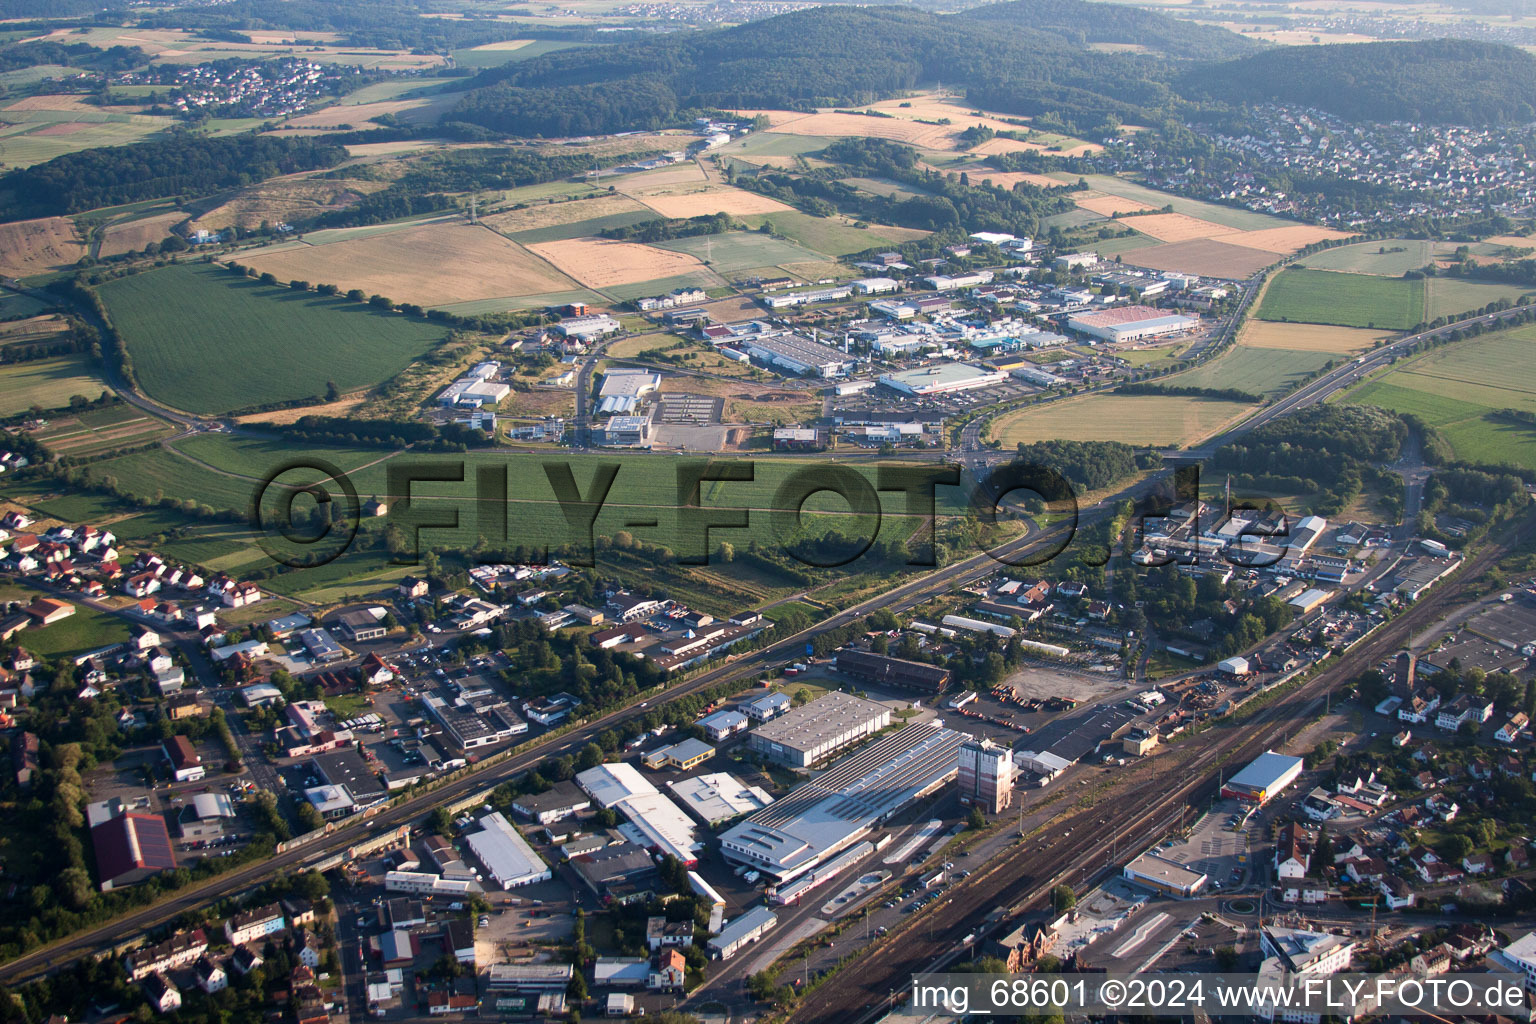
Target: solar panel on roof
(154, 844)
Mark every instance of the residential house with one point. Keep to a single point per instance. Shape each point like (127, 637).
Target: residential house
(210, 976)
(1510, 731)
(163, 996)
(1399, 895)
(254, 924)
(668, 968)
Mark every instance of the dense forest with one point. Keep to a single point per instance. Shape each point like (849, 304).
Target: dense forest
(78, 55)
(1035, 55)
(177, 164)
(1089, 465)
(1329, 451)
(1447, 81)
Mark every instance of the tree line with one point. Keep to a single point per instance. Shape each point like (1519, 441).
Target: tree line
(175, 164)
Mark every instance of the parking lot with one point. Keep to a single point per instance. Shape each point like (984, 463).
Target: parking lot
(1217, 846)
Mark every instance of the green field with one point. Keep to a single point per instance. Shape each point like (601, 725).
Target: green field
(769, 144)
(700, 278)
(1347, 300)
(1262, 371)
(207, 341)
(1456, 388)
(14, 306)
(475, 307)
(736, 251)
(1074, 219)
(834, 237)
(86, 630)
(27, 147)
(1111, 247)
(1448, 296)
(47, 383)
(1388, 257)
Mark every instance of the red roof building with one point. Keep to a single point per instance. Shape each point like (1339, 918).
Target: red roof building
(131, 848)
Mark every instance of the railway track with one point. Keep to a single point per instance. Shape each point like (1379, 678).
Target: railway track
(1130, 814)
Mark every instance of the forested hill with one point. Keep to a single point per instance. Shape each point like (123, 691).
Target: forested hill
(1443, 81)
(1028, 54)
(1083, 24)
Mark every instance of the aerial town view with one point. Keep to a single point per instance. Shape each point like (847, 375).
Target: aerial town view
(787, 512)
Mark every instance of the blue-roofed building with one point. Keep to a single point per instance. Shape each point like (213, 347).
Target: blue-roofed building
(321, 645)
(722, 724)
(286, 625)
(769, 705)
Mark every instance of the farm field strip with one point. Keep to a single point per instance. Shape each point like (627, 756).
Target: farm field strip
(428, 264)
(47, 383)
(196, 333)
(1347, 300)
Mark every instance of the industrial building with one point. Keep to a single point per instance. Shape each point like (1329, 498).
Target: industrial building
(1164, 875)
(787, 299)
(825, 816)
(1264, 778)
(562, 800)
(622, 390)
(722, 724)
(769, 705)
(655, 821)
(743, 931)
(797, 354)
(626, 432)
(884, 670)
(507, 857)
(130, 848)
(1130, 323)
(1042, 763)
(587, 327)
(684, 755)
(985, 775)
(810, 733)
(718, 797)
(942, 379)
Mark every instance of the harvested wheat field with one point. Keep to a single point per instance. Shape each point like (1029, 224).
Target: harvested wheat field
(734, 201)
(29, 247)
(1283, 241)
(431, 264)
(502, 46)
(1106, 205)
(341, 118)
(548, 215)
(659, 180)
(1177, 227)
(997, 147)
(924, 136)
(283, 417)
(1517, 241)
(134, 235)
(601, 262)
(63, 102)
(286, 199)
(34, 328)
(1309, 337)
(1008, 179)
(1208, 257)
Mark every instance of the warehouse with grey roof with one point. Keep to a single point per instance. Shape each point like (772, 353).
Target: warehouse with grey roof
(810, 733)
